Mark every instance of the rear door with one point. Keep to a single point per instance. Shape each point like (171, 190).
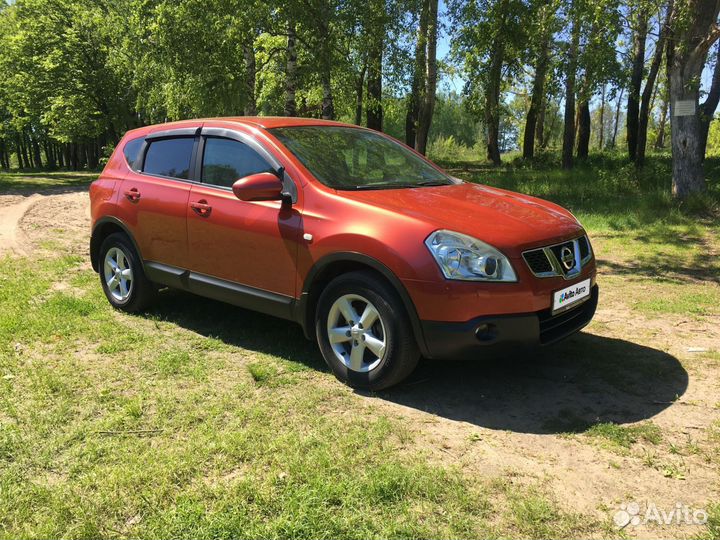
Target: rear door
(154, 196)
(245, 242)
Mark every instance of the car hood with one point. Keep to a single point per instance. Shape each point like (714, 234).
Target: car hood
(509, 221)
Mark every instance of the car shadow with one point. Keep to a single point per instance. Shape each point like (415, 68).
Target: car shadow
(238, 327)
(565, 388)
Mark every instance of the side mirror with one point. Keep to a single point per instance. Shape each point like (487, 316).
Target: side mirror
(263, 186)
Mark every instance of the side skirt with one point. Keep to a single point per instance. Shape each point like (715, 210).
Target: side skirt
(274, 304)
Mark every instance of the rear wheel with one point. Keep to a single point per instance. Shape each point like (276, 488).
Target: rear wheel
(364, 332)
(122, 277)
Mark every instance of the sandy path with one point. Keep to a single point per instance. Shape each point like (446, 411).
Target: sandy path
(10, 216)
(38, 220)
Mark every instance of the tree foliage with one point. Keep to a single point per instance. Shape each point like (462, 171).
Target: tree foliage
(75, 74)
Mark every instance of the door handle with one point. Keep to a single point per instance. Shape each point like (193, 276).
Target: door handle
(201, 208)
(133, 194)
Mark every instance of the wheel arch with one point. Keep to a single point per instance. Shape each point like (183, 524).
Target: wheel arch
(103, 228)
(331, 266)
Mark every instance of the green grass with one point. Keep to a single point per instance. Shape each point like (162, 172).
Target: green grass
(24, 181)
(712, 531)
(625, 436)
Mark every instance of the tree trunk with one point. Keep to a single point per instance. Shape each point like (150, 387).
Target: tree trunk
(613, 141)
(570, 76)
(660, 138)
(601, 130)
(416, 87)
(250, 108)
(645, 105)
(81, 155)
(291, 72)
(70, 163)
(540, 124)
(549, 132)
(583, 146)
(427, 103)
(74, 156)
(686, 59)
(538, 89)
(37, 158)
(638, 64)
(492, 100)
(49, 155)
(374, 83)
(23, 149)
(707, 109)
(3, 155)
(93, 154)
(60, 156)
(326, 51)
(359, 91)
(18, 151)
(328, 105)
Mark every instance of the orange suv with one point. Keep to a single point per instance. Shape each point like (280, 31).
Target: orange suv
(378, 254)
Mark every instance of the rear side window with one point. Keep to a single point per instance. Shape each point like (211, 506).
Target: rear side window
(226, 161)
(169, 157)
(132, 151)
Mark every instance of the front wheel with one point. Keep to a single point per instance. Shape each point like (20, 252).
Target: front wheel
(364, 332)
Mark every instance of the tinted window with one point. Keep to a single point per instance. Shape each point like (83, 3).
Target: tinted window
(169, 157)
(226, 161)
(132, 151)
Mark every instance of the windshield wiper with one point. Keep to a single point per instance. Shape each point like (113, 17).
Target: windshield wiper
(426, 183)
(384, 186)
(433, 183)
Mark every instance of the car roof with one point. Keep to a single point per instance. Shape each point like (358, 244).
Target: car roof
(262, 122)
(269, 122)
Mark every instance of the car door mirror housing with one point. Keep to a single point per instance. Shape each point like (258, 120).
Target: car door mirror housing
(263, 186)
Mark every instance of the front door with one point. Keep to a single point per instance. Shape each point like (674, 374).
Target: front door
(253, 244)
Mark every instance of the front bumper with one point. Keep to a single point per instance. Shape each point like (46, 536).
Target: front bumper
(450, 340)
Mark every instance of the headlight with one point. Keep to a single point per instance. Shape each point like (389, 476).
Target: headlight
(466, 258)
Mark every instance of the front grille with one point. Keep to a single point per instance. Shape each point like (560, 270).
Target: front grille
(584, 247)
(548, 261)
(537, 261)
(554, 327)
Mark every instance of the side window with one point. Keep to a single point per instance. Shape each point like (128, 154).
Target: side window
(169, 157)
(226, 161)
(132, 151)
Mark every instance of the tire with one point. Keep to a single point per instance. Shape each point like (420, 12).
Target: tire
(356, 356)
(127, 291)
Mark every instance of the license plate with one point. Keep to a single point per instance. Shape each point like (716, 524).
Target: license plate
(570, 296)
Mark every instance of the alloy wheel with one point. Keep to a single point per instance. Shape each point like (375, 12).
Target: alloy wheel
(356, 333)
(118, 274)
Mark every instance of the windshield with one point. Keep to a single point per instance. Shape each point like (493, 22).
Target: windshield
(350, 158)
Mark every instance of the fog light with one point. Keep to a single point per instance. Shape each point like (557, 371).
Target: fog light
(486, 332)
